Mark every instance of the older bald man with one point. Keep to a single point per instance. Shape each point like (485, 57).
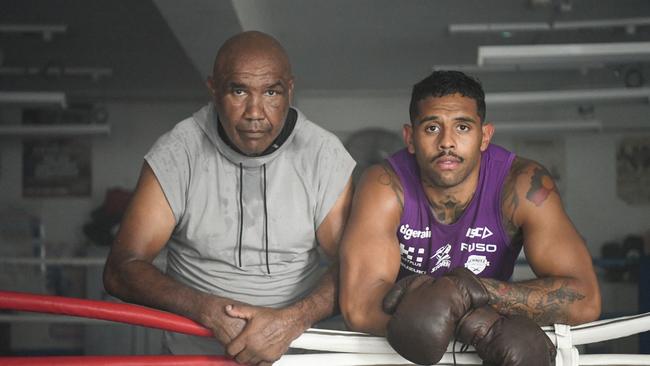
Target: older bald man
(242, 193)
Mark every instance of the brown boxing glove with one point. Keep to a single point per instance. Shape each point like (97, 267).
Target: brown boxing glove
(505, 340)
(426, 312)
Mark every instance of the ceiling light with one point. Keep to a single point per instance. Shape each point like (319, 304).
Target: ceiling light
(47, 30)
(548, 126)
(567, 96)
(564, 54)
(54, 130)
(33, 98)
(629, 24)
(94, 73)
(472, 68)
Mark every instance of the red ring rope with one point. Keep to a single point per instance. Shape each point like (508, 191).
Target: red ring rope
(117, 312)
(118, 361)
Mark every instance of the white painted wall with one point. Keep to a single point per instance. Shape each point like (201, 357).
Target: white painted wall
(116, 162)
(591, 200)
(347, 112)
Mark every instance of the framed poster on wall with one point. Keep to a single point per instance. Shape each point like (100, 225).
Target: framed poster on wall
(633, 170)
(56, 168)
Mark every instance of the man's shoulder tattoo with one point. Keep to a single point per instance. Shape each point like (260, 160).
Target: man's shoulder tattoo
(510, 198)
(541, 186)
(388, 178)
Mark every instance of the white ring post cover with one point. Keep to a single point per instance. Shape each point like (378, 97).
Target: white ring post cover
(567, 355)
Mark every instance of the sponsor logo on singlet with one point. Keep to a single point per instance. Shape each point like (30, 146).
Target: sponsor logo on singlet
(478, 247)
(412, 258)
(409, 253)
(477, 263)
(409, 233)
(478, 232)
(442, 257)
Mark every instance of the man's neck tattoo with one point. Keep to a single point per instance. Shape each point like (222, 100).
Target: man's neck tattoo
(448, 209)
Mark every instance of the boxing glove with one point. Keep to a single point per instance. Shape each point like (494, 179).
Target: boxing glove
(505, 340)
(425, 312)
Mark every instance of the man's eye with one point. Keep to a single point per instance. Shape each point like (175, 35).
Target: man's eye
(272, 93)
(238, 91)
(431, 129)
(463, 128)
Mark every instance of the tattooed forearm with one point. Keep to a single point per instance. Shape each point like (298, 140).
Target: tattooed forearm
(541, 186)
(545, 300)
(387, 178)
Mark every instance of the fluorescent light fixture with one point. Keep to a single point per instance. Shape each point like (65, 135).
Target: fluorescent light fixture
(567, 96)
(33, 98)
(54, 130)
(565, 54)
(548, 126)
(498, 27)
(471, 68)
(93, 72)
(47, 30)
(629, 24)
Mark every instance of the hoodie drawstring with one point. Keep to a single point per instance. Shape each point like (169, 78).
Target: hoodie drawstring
(241, 217)
(266, 226)
(241, 208)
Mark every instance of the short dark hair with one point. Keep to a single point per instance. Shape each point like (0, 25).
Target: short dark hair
(447, 82)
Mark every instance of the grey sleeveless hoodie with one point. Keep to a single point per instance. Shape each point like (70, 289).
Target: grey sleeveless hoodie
(246, 226)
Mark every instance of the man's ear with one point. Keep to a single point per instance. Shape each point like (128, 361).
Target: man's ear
(407, 134)
(210, 84)
(290, 86)
(488, 131)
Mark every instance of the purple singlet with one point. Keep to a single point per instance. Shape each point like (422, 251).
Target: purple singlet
(477, 241)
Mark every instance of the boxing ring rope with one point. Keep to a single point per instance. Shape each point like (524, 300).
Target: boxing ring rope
(118, 361)
(351, 348)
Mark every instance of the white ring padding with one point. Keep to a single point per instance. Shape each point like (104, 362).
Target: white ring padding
(354, 342)
(614, 359)
(341, 341)
(605, 330)
(339, 359)
(351, 342)
(361, 359)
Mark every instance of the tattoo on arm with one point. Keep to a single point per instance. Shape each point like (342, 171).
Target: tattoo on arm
(387, 178)
(541, 186)
(510, 199)
(545, 300)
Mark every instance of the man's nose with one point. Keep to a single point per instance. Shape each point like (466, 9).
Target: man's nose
(446, 140)
(254, 109)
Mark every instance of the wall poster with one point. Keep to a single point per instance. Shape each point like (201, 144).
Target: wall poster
(633, 170)
(56, 168)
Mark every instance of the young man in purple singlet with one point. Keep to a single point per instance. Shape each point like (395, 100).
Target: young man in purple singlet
(452, 200)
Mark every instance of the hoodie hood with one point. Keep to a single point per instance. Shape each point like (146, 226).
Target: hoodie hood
(206, 118)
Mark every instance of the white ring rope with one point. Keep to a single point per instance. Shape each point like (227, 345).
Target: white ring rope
(610, 329)
(363, 349)
(360, 359)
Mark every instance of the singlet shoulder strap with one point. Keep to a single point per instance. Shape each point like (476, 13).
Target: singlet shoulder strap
(405, 167)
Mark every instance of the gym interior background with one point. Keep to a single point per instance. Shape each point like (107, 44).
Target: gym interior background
(87, 86)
